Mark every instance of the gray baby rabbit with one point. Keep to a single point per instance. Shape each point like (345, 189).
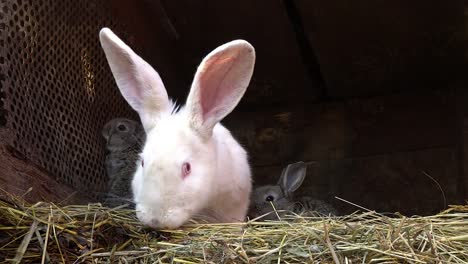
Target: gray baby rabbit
(281, 195)
(125, 139)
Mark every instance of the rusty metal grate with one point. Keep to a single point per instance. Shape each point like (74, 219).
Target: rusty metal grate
(56, 88)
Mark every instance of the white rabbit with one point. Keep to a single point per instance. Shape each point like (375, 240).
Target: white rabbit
(191, 166)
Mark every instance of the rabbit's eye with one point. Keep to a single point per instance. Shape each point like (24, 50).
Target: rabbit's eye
(142, 163)
(185, 170)
(270, 198)
(122, 127)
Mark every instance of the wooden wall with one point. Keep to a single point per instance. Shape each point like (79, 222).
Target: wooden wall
(22, 180)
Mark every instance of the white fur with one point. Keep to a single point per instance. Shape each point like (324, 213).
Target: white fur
(219, 185)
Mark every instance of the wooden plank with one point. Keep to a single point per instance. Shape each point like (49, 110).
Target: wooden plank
(462, 107)
(462, 121)
(20, 177)
(403, 122)
(367, 47)
(347, 129)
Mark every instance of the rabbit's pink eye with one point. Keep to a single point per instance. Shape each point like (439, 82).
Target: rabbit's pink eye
(185, 170)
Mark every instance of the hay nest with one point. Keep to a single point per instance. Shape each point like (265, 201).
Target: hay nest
(48, 233)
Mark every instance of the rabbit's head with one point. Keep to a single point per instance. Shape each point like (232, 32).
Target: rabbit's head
(178, 171)
(122, 133)
(279, 196)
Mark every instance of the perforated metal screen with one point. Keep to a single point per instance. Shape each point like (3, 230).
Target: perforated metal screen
(57, 90)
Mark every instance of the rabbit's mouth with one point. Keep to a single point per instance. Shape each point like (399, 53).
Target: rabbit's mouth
(157, 219)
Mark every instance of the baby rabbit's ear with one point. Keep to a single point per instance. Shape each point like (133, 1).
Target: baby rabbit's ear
(292, 177)
(138, 82)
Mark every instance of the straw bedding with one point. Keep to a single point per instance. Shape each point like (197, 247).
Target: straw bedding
(49, 233)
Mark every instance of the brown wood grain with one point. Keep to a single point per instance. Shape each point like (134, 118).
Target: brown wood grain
(379, 47)
(19, 177)
(347, 129)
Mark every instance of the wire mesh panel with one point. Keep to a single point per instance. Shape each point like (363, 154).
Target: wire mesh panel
(57, 90)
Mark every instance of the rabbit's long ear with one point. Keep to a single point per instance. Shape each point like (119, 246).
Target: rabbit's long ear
(138, 82)
(292, 177)
(219, 84)
(281, 176)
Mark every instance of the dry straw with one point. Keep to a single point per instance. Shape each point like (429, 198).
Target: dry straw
(48, 233)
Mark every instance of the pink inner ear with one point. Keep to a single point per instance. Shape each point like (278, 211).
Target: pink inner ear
(216, 84)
